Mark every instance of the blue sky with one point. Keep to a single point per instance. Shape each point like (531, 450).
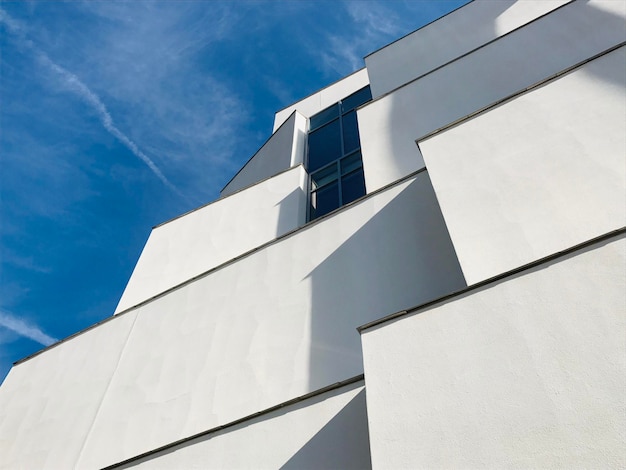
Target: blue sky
(117, 116)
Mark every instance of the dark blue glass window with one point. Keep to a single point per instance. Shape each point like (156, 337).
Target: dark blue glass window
(334, 159)
(356, 99)
(324, 200)
(323, 117)
(324, 145)
(351, 140)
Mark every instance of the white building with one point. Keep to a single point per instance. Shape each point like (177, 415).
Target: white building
(466, 275)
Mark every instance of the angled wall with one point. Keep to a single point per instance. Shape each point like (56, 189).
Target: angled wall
(214, 234)
(448, 38)
(325, 431)
(49, 404)
(275, 324)
(283, 150)
(527, 371)
(540, 172)
(390, 125)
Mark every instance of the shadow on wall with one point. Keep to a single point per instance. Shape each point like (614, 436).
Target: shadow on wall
(536, 53)
(292, 211)
(401, 257)
(403, 111)
(342, 443)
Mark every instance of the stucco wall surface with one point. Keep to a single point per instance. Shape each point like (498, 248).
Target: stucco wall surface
(569, 35)
(203, 239)
(527, 372)
(325, 97)
(274, 325)
(537, 174)
(48, 404)
(326, 431)
(284, 149)
(457, 33)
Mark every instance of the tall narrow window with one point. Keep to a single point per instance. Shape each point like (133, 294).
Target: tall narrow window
(334, 155)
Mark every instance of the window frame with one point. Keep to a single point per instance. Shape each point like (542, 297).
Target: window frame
(337, 163)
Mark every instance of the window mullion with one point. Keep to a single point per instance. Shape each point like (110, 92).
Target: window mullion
(342, 154)
(339, 183)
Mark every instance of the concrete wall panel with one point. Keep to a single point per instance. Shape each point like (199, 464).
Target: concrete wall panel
(540, 173)
(49, 403)
(326, 431)
(528, 372)
(205, 238)
(390, 125)
(457, 33)
(282, 150)
(275, 325)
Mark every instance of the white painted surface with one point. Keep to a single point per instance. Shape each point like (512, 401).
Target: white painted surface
(325, 97)
(457, 33)
(540, 173)
(528, 372)
(276, 324)
(328, 431)
(284, 149)
(216, 233)
(390, 126)
(49, 403)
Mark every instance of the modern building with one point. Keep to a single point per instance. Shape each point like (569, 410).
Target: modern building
(423, 267)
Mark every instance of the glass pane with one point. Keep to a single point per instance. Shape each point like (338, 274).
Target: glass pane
(323, 117)
(356, 99)
(324, 200)
(324, 145)
(352, 186)
(350, 133)
(324, 176)
(351, 162)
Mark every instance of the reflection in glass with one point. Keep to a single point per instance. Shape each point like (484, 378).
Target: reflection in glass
(352, 186)
(324, 176)
(351, 162)
(334, 160)
(350, 132)
(324, 145)
(356, 99)
(323, 117)
(324, 200)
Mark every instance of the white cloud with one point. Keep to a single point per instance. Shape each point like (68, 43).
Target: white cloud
(25, 329)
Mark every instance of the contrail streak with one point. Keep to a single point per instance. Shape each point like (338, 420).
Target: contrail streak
(24, 329)
(82, 90)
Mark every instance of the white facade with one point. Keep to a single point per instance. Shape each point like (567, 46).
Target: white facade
(493, 220)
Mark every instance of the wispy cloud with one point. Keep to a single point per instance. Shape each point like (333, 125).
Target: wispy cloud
(374, 19)
(370, 26)
(176, 97)
(73, 83)
(25, 329)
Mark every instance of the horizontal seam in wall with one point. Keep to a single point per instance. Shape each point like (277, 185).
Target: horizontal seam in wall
(521, 92)
(492, 280)
(226, 197)
(439, 67)
(416, 30)
(257, 152)
(266, 411)
(225, 264)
